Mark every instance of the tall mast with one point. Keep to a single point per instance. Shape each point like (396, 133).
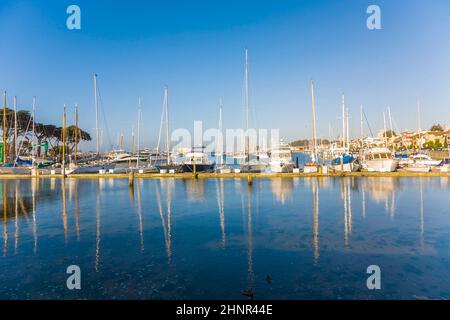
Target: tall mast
(139, 132)
(419, 126)
(384, 124)
(96, 114)
(347, 128)
(343, 120)
(313, 121)
(15, 129)
(33, 147)
(390, 126)
(220, 153)
(132, 144)
(166, 108)
(63, 162)
(76, 132)
(362, 125)
(246, 106)
(246, 91)
(4, 127)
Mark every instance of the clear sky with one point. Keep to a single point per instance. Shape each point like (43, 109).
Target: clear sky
(197, 48)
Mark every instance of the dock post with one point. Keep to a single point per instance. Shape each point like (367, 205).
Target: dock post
(249, 180)
(131, 179)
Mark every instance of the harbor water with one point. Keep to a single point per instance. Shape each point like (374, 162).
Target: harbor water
(280, 238)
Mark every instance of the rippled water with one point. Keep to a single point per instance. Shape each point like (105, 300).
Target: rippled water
(283, 238)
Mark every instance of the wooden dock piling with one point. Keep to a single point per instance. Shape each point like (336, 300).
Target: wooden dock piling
(131, 179)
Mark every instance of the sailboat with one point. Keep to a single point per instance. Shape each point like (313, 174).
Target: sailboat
(169, 166)
(197, 161)
(281, 159)
(249, 166)
(18, 166)
(345, 162)
(312, 166)
(97, 165)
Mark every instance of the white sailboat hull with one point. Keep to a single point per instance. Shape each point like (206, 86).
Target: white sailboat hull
(381, 165)
(89, 169)
(423, 169)
(281, 167)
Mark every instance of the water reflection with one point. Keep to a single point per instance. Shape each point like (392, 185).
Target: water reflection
(34, 186)
(348, 217)
(195, 189)
(260, 229)
(422, 224)
(64, 208)
(16, 219)
(166, 185)
(315, 192)
(98, 227)
(383, 190)
(246, 200)
(139, 215)
(282, 189)
(221, 206)
(5, 222)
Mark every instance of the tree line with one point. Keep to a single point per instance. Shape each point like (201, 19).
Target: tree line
(44, 133)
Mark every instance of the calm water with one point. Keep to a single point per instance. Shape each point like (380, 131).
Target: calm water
(212, 239)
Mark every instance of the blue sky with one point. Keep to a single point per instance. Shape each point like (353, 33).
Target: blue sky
(197, 48)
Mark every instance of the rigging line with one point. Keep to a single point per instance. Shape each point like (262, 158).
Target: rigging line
(398, 131)
(104, 117)
(160, 126)
(21, 142)
(243, 106)
(368, 124)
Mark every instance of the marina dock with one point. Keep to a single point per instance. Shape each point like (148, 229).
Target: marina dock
(228, 175)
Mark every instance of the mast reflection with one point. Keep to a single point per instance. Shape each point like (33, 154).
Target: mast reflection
(346, 196)
(5, 220)
(166, 225)
(422, 220)
(64, 208)
(16, 216)
(34, 186)
(220, 204)
(77, 211)
(315, 192)
(98, 226)
(246, 200)
(139, 214)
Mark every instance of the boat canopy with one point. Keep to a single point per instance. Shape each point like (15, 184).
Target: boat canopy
(346, 160)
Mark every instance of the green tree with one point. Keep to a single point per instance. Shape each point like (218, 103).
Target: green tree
(436, 127)
(437, 144)
(43, 132)
(389, 134)
(428, 145)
